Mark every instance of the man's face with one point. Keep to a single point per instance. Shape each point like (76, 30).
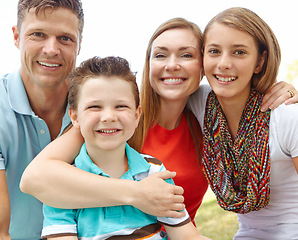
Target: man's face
(49, 44)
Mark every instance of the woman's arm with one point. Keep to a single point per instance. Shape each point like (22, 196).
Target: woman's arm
(59, 184)
(4, 207)
(279, 94)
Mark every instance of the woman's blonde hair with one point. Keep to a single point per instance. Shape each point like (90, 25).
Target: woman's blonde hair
(247, 21)
(150, 100)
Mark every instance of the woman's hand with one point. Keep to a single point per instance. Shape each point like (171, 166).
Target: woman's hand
(281, 92)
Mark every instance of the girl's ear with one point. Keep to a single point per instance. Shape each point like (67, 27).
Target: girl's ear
(74, 118)
(261, 62)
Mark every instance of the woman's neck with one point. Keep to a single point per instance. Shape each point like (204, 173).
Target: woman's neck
(170, 114)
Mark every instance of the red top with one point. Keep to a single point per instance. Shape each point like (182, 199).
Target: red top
(176, 149)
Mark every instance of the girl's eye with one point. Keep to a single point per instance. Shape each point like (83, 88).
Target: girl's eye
(214, 51)
(240, 52)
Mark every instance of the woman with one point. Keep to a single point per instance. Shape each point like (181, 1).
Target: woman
(172, 84)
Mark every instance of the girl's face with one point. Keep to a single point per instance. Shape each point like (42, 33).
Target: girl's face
(230, 59)
(175, 64)
(106, 114)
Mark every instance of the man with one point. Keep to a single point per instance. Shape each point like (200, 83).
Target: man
(33, 112)
(33, 102)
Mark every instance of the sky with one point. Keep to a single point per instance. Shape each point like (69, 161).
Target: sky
(124, 27)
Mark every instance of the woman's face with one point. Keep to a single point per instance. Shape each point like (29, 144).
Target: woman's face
(175, 64)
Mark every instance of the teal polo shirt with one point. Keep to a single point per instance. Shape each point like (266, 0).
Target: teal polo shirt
(22, 136)
(105, 222)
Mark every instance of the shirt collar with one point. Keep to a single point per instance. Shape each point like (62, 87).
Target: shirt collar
(17, 94)
(137, 164)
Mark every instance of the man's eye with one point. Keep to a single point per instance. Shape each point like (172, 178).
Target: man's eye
(37, 34)
(66, 39)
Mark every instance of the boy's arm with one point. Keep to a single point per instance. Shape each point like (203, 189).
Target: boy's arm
(56, 183)
(4, 208)
(278, 94)
(64, 238)
(185, 232)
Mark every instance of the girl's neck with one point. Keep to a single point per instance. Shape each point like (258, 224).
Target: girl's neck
(233, 110)
(170, 114)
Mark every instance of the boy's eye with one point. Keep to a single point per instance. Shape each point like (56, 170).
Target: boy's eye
(122, 106)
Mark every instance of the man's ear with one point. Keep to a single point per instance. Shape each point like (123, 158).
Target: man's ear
(261, 62)
(16, 36)
(74, 118)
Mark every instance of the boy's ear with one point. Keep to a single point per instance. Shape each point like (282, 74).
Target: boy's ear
(138, 115)
(261, 62)
(74, 118)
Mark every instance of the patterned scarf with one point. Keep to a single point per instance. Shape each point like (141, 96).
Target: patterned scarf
(239, 172)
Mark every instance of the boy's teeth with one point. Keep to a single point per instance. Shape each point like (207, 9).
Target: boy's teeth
(48, 64)
(107, 131)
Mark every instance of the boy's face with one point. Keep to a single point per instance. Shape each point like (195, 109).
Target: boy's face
(49, 44)
(106, 114)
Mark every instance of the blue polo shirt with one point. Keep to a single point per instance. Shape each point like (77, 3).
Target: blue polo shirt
(22, 136)
(105, 222)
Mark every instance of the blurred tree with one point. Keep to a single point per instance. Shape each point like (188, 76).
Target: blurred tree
(292, 75)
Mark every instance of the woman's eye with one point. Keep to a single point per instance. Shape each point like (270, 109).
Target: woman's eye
(187, 55)
(159, 55)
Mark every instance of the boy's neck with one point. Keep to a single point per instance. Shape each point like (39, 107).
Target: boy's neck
(113, 162)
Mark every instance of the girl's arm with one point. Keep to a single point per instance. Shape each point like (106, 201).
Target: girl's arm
(52, 179)
(295, 160)
(4, 207)
(185, 232)
(279, 94)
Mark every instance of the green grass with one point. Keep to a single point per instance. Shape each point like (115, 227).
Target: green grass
(214, 222)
